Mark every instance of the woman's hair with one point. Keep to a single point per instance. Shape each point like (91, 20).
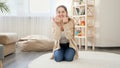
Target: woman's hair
(62, 7)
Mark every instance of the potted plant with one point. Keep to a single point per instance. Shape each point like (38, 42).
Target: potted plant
(80, 2)
(3, 7)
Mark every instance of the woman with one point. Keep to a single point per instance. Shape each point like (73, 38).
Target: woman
(65, 48)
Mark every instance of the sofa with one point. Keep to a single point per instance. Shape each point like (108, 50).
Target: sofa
(8, 41)
(1, 55)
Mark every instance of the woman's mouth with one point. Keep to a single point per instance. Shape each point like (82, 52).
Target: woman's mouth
(61, 16)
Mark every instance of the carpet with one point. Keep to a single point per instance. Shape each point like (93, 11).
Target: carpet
(87, 59)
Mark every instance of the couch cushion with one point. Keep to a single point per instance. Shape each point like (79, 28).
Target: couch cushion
(7, 38)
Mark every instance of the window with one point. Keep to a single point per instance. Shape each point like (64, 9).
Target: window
(35, 7)
(56, 3)
(39, 7)
(28, 7)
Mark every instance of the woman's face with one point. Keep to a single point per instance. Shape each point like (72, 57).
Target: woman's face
(61, 12)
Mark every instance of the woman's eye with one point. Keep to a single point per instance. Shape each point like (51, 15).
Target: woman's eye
(58, 12)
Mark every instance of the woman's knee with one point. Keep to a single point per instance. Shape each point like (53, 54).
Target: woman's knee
(69, 54)
(58, 55)
(69, 58)
(58, 59)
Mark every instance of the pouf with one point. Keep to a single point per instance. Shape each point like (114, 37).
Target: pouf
(87, 59)
(36, 43)
(7, 38)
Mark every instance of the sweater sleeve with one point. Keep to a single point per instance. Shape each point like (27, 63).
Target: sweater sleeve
(56, 31)
(69, 29)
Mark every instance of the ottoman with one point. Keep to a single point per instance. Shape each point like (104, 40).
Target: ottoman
(8, 40)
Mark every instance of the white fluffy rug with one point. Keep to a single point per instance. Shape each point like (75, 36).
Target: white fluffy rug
(87, 59)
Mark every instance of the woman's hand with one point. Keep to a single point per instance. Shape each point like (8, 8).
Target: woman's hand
(57, 20)
(60, 21)
(65, 20)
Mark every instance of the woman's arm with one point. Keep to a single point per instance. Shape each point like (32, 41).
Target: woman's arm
(56, 31)
(59, 21)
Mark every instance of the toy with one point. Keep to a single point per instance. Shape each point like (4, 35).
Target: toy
(82, 23)
(80, 34)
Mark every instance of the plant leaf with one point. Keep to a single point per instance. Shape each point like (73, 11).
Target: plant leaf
(3, 7)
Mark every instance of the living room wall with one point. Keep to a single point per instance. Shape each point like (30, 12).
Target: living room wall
(108, 23)
(25, 26)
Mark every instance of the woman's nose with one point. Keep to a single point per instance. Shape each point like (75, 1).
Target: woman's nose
(61, 13)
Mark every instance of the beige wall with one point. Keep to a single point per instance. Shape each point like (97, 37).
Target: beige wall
(108, 22)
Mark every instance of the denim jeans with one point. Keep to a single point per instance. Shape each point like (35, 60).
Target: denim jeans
(65, 53)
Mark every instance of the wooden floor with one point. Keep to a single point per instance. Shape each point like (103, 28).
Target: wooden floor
(22, 59)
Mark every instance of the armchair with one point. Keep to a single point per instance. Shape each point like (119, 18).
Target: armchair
(8, 40)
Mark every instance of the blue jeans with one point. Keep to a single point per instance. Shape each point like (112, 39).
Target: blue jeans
(65, 53)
